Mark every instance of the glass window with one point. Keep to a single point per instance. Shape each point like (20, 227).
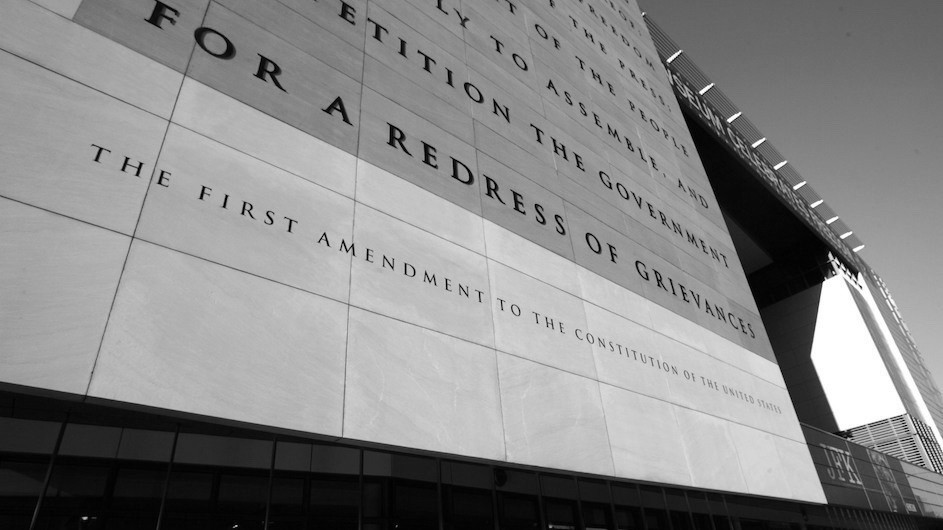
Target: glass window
(414, 468)
(594, 490)
(852, 520)
(21, 479)
(243, 493)
(518, 511)
(702, 521)
(28, 436)
(90, 440)
(518, 507)
(678, 509)
(188, 486)
(377, 464)
(467, 508)
(595, 504)
(718, 509)
(469, 475)
(752, 524)
(560, 514)
(75, 496)
(241, 501)
(77, 481)
(560, 507)
(754, 514)
(722, 522)
(338, 460)
(596, 516)
(817, 517)
(415, 505)
(335, 502)
(628, 518)
(136, 497)
(559, 487)
(137, 444)
(190, 503)
(288, 503)
(467, 499)
(20, 483)
(700, 512)
(680, 520)
(293, 456)
(653, 502)
(515, 481)
(784, 515)
(400, 491)
(888, 521)
(627, 506)
(223, 451)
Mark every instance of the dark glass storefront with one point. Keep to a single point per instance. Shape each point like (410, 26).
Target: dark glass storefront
(65, 465)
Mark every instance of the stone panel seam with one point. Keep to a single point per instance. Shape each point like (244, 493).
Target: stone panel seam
(100, 91)
(160, 149)
(262, 160)
(353, 226)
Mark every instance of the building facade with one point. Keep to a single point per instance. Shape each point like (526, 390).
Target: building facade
(386, 264)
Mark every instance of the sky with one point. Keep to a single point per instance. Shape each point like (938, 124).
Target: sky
(851, 93)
